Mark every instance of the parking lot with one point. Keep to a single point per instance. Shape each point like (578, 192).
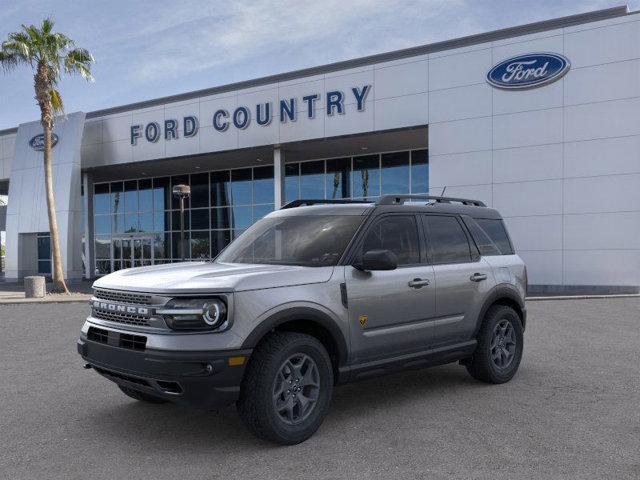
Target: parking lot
(571, 412)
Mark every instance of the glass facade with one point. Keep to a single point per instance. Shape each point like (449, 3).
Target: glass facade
(137, 222)
(361, 177)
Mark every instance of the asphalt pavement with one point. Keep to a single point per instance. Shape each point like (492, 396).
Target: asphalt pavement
(572, 412)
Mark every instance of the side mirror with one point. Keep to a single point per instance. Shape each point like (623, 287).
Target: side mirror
(378, 260)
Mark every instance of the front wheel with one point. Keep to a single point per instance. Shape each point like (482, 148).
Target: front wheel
(286, 390)
(500, 345)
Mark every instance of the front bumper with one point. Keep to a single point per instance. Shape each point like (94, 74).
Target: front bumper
(202, 379)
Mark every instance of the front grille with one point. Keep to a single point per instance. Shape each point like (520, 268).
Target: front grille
(121, 317)
(123, 340)
(98, 335)
(123, 297)
(133, 342)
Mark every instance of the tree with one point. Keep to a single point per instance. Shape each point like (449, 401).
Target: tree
(48, 54)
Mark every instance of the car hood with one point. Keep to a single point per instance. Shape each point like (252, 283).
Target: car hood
(209, 277)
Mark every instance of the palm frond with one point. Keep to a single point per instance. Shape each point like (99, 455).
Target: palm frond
(79, 60)
(47, 25)
(56, 101)
(8, 60)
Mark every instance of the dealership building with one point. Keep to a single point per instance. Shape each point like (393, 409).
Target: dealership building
(541, 121)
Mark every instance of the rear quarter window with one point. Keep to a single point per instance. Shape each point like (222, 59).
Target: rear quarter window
(494, 229)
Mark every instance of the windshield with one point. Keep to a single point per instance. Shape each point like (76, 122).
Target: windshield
(306, 240)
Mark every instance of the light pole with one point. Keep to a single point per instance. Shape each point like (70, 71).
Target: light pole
(181, 192)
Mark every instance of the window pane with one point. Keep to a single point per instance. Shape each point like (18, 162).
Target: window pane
(263, 185)
(219, 240)
(241, 186)
(161, 245)
(338, 178)
(103, 267)
(102, 224)
(200, 219)
(200, 245)
(102, 247)
(126, 247)
(447, 240)
(117, 190)
(131, 196)
(399, 234)
(395, 172)
(161, 194)
(366, 177)
(260, 211)
(175, 245)
(312, 180)
(161, 221)
(145, 195)
(44, 247)
(242, 217)
(118, 223)
(131, 222)
(179, 180)
(175, 220)
(101, 198)
(220, 189)
(291, 182)
(220, 218)
(145, 222)
(200, 190)
(420, 171)
(497, 232)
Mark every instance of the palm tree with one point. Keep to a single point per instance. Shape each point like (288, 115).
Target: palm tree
(47, 53)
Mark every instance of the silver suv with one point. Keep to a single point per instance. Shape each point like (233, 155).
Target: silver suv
(317, 294)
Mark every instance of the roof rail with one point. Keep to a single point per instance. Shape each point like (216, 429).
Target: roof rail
(401, 199)
(308, 202)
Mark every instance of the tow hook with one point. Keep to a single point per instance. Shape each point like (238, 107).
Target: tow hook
(87, 366)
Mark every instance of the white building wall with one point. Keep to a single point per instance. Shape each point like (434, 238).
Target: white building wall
(7, 151)
(561, 162)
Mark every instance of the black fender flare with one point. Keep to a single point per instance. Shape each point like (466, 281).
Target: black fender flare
(300, 313)
(499, 292)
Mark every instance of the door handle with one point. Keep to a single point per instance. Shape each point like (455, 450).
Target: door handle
(418, 283)
(477, 277)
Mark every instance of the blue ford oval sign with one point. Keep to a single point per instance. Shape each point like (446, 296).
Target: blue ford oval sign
(528, 71)
(37, 142)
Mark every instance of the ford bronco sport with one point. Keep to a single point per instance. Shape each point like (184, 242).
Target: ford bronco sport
(316, 294)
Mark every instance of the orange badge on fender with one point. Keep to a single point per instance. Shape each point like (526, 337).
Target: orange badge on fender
(362, 319)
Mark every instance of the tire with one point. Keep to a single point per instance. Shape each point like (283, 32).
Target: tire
(141, 396)
(497, 362)
(272, 404)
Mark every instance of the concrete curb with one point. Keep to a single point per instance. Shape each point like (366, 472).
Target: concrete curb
(582, 297)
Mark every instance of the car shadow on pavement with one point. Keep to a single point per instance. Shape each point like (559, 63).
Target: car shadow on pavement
(172, 426)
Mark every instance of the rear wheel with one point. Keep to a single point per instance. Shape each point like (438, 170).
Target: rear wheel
(500, 345)
(141, 396)
(286, 390)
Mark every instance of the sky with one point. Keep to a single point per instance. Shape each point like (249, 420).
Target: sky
(149, 49)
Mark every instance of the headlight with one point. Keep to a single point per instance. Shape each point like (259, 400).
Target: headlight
(195, 314)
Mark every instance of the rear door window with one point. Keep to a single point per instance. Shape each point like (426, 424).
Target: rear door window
(448, 242)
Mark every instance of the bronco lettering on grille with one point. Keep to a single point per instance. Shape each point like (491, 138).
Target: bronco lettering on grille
(117, 308)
